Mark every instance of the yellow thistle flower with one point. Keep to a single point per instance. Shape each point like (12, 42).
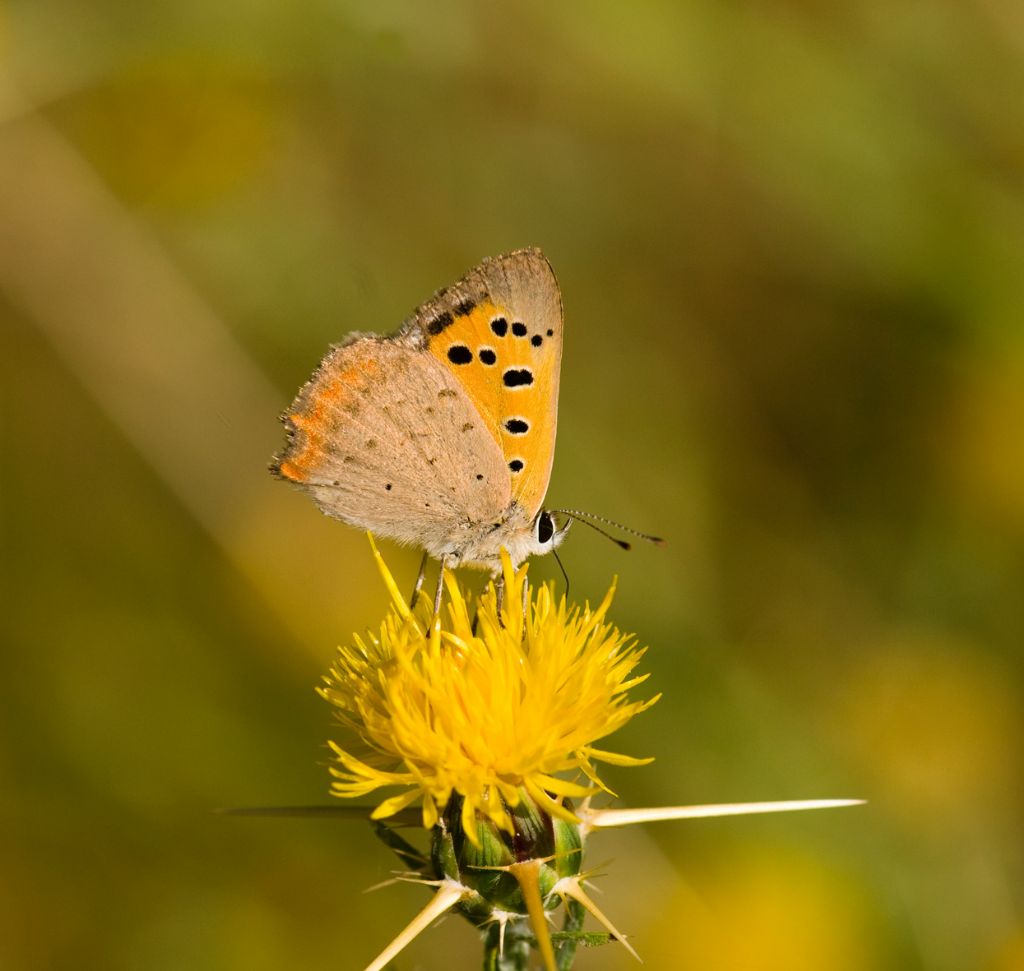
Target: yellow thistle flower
(483, 708)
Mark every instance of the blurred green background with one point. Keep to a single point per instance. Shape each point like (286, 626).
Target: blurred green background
(790, 239)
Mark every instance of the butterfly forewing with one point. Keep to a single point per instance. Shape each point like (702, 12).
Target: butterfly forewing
(498, 331)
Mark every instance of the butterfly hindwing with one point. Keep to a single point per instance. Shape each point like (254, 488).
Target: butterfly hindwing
(383, 438)
(498, 331)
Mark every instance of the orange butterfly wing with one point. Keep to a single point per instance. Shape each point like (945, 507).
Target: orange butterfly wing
(499, 331)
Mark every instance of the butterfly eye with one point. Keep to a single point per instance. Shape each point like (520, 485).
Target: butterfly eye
(545, 528)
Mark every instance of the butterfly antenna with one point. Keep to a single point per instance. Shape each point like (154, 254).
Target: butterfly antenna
(561, 567)
(586, 517)
(597, 529)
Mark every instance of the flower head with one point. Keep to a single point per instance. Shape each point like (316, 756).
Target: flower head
(486, 707)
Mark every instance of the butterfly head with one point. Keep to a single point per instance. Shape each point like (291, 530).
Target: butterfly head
(547, 534)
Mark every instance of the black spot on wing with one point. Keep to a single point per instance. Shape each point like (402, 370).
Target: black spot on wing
(499, 326)
(464, 308)
(516, 465)
(519, 329)
(551, 333)
(459, 354)
(517, 426)
(536, 340)
(487, 356)
(517, 377)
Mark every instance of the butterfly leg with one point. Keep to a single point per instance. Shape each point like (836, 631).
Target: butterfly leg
(440, 587)
(499, 597)
(419, 581)
(526, 595)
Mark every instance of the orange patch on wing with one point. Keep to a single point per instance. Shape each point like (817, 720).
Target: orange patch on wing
(356, 374)
(302, 463)
(313, 423)
(291, 471)
(335, 391)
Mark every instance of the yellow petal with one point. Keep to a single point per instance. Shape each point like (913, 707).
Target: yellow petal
(395, 804)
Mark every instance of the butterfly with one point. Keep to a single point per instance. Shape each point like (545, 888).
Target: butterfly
(442, 434)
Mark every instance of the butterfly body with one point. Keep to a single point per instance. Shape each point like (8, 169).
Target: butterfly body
(442, 434)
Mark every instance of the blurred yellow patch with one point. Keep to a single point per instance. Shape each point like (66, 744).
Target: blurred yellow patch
(935, 724)
(176, 133)
(765, 910)
(1010, 956)
(982, 445)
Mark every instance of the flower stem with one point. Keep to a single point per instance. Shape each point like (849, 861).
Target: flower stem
(514, 953)
(572, 924)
